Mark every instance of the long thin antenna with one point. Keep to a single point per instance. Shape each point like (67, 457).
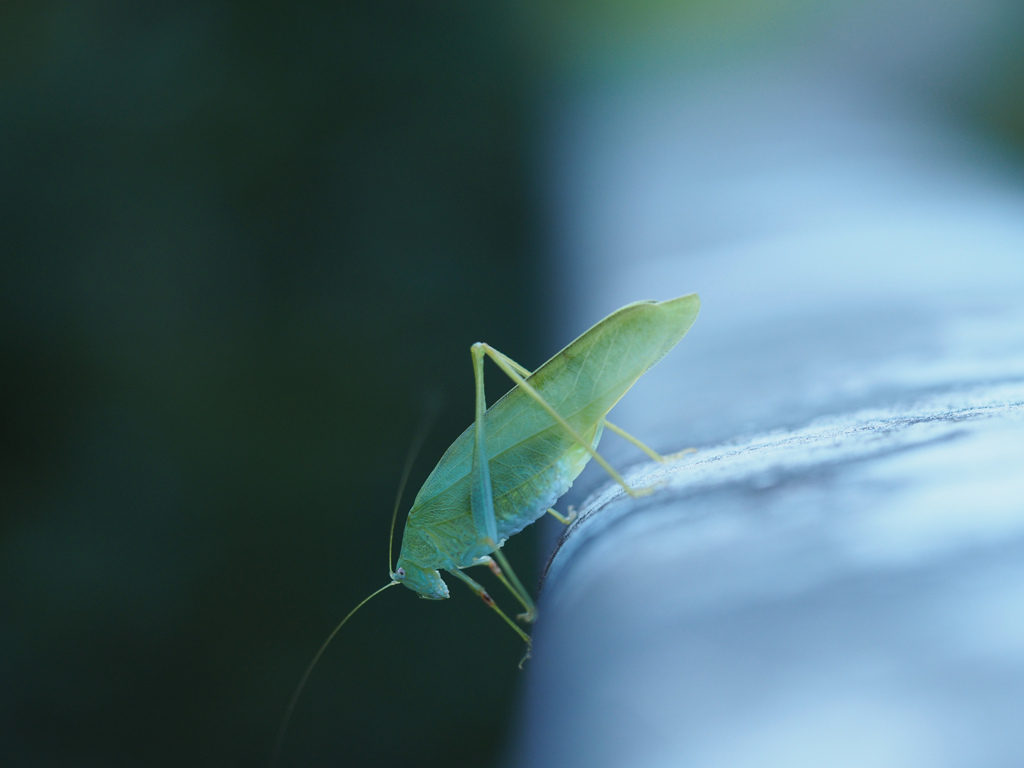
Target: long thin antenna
(433, 406)
(276, 755)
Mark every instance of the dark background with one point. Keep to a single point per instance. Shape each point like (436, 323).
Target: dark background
(243, 246)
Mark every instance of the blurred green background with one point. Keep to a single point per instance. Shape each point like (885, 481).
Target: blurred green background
(243, 246)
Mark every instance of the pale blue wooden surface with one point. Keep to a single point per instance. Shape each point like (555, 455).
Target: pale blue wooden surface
(837, 576)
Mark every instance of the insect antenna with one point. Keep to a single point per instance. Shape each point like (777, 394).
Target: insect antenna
(433, 406)
(279, 742)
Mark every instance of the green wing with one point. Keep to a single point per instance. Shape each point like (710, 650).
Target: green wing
(530, 455)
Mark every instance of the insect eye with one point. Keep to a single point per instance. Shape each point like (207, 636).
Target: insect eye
(400, 573)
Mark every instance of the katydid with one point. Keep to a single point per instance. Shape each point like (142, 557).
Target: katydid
(520, 455)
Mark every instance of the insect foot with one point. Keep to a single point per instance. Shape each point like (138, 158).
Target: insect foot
(679, 454)
(643, 490)
(526, 656)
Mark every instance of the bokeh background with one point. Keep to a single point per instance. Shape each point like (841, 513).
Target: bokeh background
(244, 249)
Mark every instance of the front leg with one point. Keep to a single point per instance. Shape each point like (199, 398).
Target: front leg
(489, 602)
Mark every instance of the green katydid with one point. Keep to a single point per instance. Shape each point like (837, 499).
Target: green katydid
(510, 466)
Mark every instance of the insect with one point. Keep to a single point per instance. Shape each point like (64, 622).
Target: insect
(516, 459)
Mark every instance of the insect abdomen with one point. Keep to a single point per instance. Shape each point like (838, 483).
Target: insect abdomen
(517, 507)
